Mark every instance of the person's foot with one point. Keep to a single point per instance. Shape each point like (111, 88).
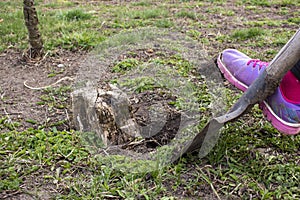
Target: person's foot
(282, 111)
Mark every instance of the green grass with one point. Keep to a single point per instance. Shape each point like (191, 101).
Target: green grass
(6, 123)
(149, 14)
(259, 3)
(244, 34)
(76, 14)
(267, 172)
(272, 23)
(164, 23)
(140, 84)
(68, 29)
(142, 3)
(251, 159)
(186, 14)
(12, 30)
(55, 97)
(295, 20)
(32, 150)
(177, 66)
(269, 3)
(125, 65)
(58, 4)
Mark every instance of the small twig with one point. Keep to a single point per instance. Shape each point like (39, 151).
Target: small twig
(105, 152)
(136, 142)
(102, 24)
(7, 115)
(47, 86)
(236, 188)
(214, 190)
(2, 95)
(44, 57)
(206, 178)
(66, 156)
(67, 115)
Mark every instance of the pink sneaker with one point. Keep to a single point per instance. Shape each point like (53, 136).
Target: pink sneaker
(241, 71)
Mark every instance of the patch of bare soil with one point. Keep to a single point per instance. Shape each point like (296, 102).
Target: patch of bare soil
(22, 103)
(141, 104)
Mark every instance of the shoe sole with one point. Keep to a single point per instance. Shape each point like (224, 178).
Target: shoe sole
(277, 122)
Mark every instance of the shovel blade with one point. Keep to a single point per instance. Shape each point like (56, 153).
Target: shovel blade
(207, 138)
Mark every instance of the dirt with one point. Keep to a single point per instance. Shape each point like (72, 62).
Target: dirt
(21, 104)
(142, 104)
(21, 97)
(141, 114)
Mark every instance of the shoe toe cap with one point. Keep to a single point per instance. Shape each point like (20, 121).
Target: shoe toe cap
(234, 59)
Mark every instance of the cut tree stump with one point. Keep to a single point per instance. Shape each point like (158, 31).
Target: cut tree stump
(107, 112)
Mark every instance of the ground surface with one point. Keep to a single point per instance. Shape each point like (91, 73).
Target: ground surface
(20, 103)
(251, 161)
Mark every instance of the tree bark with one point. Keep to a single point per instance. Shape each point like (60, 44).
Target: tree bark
(34, 36)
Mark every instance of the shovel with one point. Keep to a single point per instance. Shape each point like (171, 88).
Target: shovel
(260, 89)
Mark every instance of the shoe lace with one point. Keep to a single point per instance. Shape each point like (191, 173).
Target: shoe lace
(257, 62)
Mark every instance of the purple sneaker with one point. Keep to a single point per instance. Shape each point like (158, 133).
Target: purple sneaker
(241, 71)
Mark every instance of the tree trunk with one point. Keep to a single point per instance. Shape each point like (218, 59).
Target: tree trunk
(31, 21)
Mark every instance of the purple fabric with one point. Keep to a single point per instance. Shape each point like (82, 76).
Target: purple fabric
(241, 66)
(287, 111)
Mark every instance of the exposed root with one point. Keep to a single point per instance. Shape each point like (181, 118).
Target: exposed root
(47, 86)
